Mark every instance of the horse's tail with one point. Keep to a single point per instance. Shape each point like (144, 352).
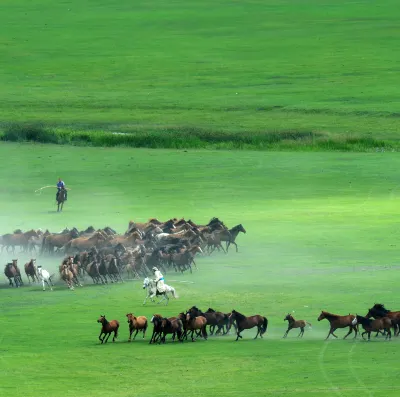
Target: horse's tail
(309, 324)
(174, 293)
(264, 326)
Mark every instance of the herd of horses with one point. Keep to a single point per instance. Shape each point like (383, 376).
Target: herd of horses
(105, 256)
(193, 323)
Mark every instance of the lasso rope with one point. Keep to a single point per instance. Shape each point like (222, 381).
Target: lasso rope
(45, 187)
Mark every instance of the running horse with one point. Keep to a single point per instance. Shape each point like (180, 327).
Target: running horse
(244, 322)
(11, 271)
(61, 198)
(337, 321)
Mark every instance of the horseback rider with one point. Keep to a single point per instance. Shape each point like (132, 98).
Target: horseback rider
(61, 185)
(159, 280)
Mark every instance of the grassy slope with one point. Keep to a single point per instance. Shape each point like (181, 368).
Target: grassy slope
(321, 234)
(329, 67)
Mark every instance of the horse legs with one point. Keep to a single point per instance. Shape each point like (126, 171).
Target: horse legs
(108, 335)
(301, 332)
(331, 331)
(389, 334)
(101, 333)
(137, 330)
(238, 334)
(258, 331)
(350, 331)
(286, 333)
(115, 334)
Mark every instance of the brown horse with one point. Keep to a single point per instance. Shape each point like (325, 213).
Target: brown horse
(194, 323)
(243, 322)
(107, 327)
(337, 321)
(67, 276)
(375, 325)
(292, 323)
(30, 271)
(136, 323)
(11, 271)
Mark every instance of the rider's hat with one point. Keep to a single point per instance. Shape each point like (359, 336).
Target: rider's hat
(155, 269)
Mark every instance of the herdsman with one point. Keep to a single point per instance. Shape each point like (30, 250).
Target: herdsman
(61, 185)
(159, 279)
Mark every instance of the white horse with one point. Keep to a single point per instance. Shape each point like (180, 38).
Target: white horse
(44, 277)
(152, 291)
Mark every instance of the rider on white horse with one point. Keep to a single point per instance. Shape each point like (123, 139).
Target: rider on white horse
(159, 279)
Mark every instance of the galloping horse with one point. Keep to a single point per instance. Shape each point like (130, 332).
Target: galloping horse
(337, 321)
(11, 271)
(244, 322)
(60, 199)
(379, 311)
(30, 270)
(45, 277)
(152, 291)
(107, 327)
(375, 325)
(292, 323)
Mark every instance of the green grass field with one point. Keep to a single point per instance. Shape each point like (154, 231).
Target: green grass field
(322, 233)
(205, 68)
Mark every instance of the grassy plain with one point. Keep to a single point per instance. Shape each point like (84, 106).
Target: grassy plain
(322, 233)
(204, 67)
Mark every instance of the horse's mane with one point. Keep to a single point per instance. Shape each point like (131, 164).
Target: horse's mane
(380, 306)
(209, 310)
(327, 314)
(239, 315)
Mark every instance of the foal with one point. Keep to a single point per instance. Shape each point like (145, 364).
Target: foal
(107, 328)
(292, 323)
(337, 321)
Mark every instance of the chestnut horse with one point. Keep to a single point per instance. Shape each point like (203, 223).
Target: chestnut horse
(243, 322)
(136, 323)
(31, 271)
(107, 327)
(292, 323)
(375, 325)
(194, 323)
(337, 321)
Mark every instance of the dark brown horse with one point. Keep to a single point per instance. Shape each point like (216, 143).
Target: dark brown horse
(243, 322)
(337, 321)
(375, 325)
(214, 319)
(30, 271)
(61, 196)
(11, 271)
(107, 327)
(157, 330)
(174, 327)
(379, 310)
(292, 323)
